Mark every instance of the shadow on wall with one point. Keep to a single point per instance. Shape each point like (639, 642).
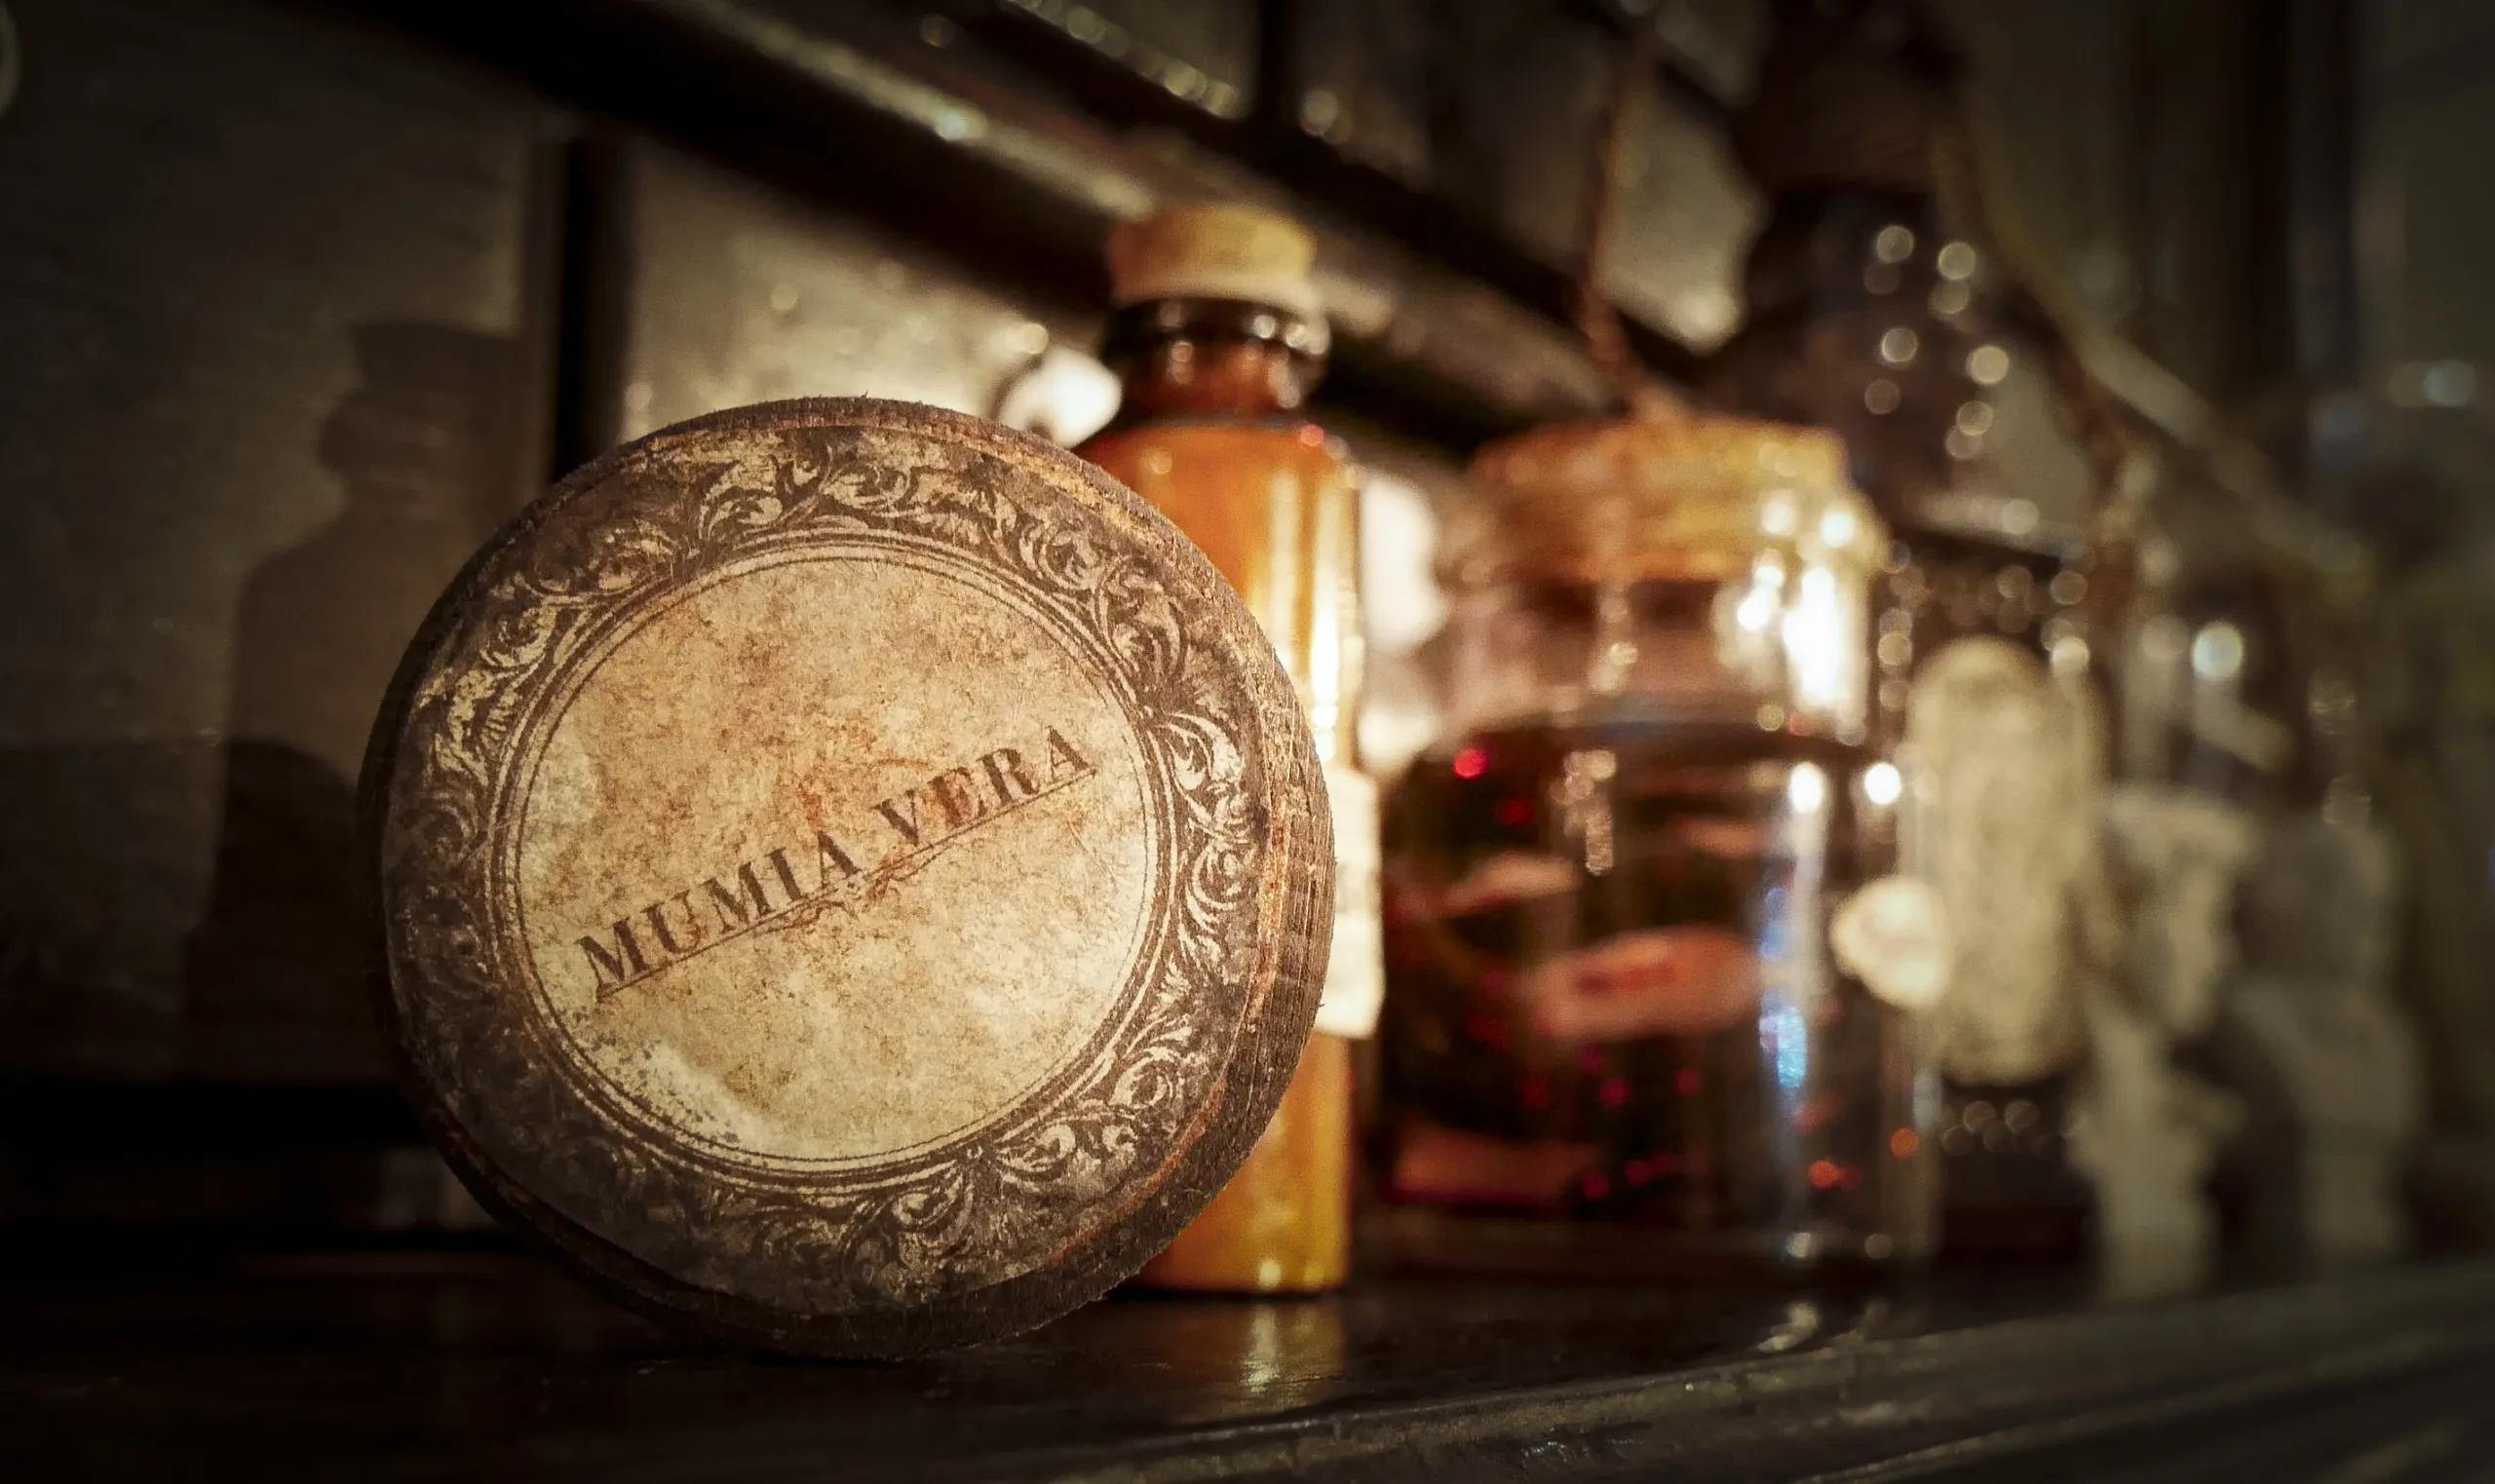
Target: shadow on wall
(273, 973)
(99, 872)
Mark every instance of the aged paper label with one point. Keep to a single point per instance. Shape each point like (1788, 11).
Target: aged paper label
(2006, 764)
(762, 807)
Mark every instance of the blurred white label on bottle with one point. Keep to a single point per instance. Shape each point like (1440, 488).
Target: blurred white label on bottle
(1356, 972)
(2001, 820)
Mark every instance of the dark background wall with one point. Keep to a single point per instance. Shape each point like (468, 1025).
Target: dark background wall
(275, 300)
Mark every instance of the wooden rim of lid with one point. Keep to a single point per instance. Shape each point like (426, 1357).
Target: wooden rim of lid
(851, 877)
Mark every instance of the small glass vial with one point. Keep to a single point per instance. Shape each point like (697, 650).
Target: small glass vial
(1219, 337)
(1652, 984)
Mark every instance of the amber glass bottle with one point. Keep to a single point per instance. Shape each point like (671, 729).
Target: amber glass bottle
(1219, 339)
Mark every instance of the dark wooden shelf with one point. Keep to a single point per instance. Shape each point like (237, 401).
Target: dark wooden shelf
(485, 1365)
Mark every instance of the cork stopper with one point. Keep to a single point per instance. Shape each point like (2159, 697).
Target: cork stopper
(1670, 494)
(1215, 251)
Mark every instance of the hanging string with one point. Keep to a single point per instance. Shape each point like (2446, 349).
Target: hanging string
(1606, 340)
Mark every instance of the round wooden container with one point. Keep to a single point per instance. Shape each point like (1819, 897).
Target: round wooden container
(851, 876)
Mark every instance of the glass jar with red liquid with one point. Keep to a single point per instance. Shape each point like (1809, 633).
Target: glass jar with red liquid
(1653, 985)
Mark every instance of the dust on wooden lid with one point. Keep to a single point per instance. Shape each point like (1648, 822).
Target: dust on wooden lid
(852, 876)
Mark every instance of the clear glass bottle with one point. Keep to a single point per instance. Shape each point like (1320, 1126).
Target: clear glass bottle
(1218, 338)
(2261, 892)
(1877, 309)
(1651, 984)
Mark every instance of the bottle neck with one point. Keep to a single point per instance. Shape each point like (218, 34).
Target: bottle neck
(1872, 317)
(1202, 357)
(1840, 245)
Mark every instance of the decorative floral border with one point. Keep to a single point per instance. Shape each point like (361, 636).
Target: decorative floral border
(944, 1222)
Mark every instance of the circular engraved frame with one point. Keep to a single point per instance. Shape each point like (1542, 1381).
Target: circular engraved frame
(570, 674)
(1025, 1213)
